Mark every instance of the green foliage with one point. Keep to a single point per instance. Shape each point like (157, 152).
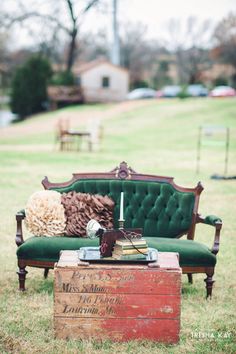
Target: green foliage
(161, 77)
(29, 87)
(233, 80)
(183, 94)
(139, 84)
(160, 80)
(220, 81)
(164, 66)
(65, 78)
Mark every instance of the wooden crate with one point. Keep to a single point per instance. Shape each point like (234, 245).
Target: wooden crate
(117, 302)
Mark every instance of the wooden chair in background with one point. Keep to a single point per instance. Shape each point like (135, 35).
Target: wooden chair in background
(71, 139)
(63, 137)
(95, 129)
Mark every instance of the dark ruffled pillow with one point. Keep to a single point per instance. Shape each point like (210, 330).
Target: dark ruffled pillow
(82, 207)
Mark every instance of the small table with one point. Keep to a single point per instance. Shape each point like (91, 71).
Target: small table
(80, 134)
(115, 301)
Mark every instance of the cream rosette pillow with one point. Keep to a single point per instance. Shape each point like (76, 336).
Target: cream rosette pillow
(45, 214)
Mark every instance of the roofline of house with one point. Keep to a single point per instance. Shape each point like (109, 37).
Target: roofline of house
(90, 65)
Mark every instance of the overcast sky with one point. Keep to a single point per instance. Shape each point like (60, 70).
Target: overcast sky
(155, 14)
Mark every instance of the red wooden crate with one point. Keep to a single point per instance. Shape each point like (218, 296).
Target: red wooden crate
(117, 302)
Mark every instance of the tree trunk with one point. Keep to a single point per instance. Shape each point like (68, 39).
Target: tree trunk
(71, 51)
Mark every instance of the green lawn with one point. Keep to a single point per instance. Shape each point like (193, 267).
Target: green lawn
(159, 137)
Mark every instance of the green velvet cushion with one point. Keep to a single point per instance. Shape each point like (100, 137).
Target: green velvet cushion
(158, 208)
(191, 253)
(48, 248)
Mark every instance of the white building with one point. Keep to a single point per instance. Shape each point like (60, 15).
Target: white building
(102, 81)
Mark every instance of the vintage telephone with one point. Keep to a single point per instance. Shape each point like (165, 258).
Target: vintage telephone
(109, 237)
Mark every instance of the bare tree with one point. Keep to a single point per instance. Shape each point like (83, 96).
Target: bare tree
(4, 48)
(225, 37)
(91, 48)
(189, 42)
(49, 14)
(4, 59)
(138, 54)
(191, 62)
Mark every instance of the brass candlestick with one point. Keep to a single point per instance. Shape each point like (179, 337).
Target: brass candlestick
(121, 223)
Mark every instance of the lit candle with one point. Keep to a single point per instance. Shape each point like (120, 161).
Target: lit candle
(122, 206)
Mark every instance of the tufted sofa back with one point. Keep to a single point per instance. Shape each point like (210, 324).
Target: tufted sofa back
(156, 207)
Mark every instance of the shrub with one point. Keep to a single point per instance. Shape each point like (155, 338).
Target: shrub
(139, 84)
(65, 78)
(29, 87)
(183, 93)
(220, 80)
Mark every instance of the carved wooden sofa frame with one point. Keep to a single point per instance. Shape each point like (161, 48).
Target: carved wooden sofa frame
(141, 205)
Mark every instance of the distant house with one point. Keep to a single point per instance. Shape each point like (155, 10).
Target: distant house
(102, 81)
(218, 70)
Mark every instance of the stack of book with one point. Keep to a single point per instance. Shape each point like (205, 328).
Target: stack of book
(127, 250)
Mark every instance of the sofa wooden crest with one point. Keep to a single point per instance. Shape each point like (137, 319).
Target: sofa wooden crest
(164, 210)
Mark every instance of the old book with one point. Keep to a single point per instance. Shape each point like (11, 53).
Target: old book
(124, 257)
(130, 247)
(130, 251)
(125, 243)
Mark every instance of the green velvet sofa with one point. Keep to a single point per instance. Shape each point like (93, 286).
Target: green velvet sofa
(164, 210)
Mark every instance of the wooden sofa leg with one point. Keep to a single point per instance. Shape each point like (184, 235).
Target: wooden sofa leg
(22, 276)
(190, 278)
(46, 271)
(209, 283)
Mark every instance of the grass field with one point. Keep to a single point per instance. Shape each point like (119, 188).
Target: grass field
(157, 137)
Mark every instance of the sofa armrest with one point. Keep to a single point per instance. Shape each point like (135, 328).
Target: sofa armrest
(216, 222)
(19, 233)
